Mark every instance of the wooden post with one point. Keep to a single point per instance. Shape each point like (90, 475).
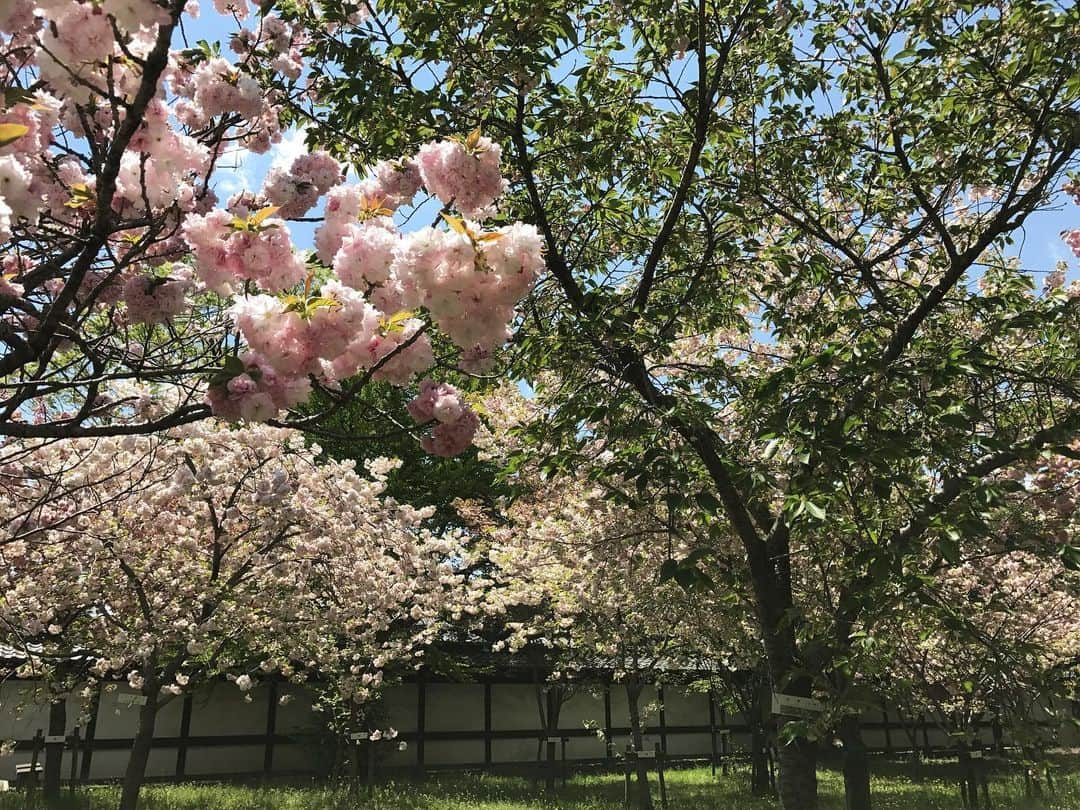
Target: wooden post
(660, 755)
(54, 747)
(487, 726)
(562, 742)
(91, 729)
(369, 771)
(354, 767)
(663, 717)
(549, 739)
(73, 778)
(712, 734)
(271, 727)
(627, 768)
(421, 712)
(549, 782)
(888, 730)
(609, 734)
(37, 746)
(724, 742)
(185, 731)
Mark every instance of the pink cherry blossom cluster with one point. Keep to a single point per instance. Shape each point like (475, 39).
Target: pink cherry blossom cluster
(1072, 239)
(468, 279)
(257, 392)
(398, 180)
(296, 190)
(155, 299)
(295, 339)
(228, 252)
(275, 41)
(456, 421)
(463, 173)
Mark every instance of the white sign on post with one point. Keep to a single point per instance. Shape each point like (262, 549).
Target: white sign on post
(50, 739)
(358, 735)
(646, 754)
(795, 706)
(131, 700)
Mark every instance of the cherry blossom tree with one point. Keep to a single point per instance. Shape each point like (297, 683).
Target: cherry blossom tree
(578, 573)
(208, 551)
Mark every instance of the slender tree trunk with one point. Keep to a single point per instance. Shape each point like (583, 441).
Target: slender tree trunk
(856, 765)
(759, 761)
(633, 696)
(140, 748)
(54, 752)
(969, 784)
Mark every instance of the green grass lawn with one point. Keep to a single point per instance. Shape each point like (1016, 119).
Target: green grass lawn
(927, 788)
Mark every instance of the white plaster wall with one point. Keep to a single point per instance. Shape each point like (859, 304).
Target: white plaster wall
(513, 707)
(220, 708)
(399, 706)
(685, 708)
(455, 707)
(583, 706)
(216, 760)
(515, 750)
(453, 752)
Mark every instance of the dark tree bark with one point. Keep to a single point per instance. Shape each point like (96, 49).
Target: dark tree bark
(759, 760)
(969, 783)
(798, 775)
(54, 752)
(633, 696)
(140, 748)
(856, 765)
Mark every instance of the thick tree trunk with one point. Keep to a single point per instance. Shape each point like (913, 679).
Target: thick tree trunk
(798, 775)
(768, 556)
(140, 748)
(856, 765)
(633, 696)
(54, 752)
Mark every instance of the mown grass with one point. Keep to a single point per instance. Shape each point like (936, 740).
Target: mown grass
(928, 787)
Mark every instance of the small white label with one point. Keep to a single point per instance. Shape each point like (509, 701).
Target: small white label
(131, 700)
(646, 754)
(554, 739)
(723, 732)
(795, 706)
(976, 754)
(358, 735)
(55, 738)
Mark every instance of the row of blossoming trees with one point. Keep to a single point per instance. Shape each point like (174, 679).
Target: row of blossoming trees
(879, 496)
(205, 552)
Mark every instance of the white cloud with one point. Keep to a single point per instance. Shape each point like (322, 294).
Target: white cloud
(291, 147)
